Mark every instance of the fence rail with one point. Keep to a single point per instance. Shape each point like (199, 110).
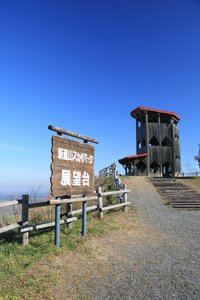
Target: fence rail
(10, 203)
(24, 228)
(112, 171)
(190, 174)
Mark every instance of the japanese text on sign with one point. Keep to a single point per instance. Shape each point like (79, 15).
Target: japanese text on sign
(70, 155)
(76, 178)
(72, 167)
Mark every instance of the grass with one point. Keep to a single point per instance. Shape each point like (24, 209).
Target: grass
(107, 185)
(17, 262)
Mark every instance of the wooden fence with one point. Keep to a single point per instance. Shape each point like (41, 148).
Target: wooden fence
(190, 174)
(112, 171)
(24, 226)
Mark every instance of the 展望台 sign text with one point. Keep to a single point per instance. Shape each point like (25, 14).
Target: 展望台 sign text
(72, 167)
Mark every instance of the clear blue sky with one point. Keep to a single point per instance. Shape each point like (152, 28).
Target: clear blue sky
(84, 66)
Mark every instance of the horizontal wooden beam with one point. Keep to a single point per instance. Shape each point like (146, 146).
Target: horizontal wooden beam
(115, 192)
(63, 201)
(36, 204)
(70, 133)
(115, 206)
(46, 225)
(10, 227)
(79, 211)
(10, 203)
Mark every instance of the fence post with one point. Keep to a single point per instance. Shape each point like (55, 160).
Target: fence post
(100, 202)
(25, 201)
(69, 213)
(125, 197)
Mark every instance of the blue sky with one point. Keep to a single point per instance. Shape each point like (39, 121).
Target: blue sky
(84, 66)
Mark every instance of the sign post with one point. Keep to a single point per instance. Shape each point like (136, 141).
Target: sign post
(57, 225)
(72, 171)
(84, 217)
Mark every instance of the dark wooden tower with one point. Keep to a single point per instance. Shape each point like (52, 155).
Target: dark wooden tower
(157, 144)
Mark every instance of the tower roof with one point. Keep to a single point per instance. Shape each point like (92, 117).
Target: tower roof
(136, 112)
(132, 156)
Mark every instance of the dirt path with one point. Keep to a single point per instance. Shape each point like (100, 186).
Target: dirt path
(155, 256)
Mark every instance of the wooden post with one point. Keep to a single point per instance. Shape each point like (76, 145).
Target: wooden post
(69, 213)
(125, 197)
(84, 217)
(25, 201)
(100, 202)
(172, 148)
(160, 146)
(147, 135)
(57, 225)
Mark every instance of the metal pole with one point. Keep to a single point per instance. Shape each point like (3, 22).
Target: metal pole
(84, 216)
(57, 225)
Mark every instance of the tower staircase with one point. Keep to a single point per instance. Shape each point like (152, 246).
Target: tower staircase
(179, 195)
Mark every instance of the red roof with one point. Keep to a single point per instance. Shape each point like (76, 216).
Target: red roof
(139, 155)
(140, 108)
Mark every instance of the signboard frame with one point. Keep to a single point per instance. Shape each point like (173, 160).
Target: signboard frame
(72, 167)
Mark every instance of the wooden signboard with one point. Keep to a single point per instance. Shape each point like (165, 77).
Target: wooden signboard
(72, 167)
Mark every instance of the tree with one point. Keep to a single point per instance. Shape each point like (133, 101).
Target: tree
(198, 156)
(34, 192)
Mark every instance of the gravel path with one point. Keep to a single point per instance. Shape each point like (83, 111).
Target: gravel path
(158, 258)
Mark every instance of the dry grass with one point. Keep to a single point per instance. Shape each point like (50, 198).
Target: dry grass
(193, 182)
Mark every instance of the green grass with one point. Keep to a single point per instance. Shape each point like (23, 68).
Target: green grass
(16, 260)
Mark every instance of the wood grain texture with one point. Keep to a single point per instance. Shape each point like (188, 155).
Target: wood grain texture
(70, 133)
(115, 206)
(77, 149)
(25, 201)
(9, 227)
(46, 225)
(10, 203)
(65, 201)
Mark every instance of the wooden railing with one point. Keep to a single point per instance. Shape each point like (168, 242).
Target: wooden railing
(24, 226)
(112, 171)
(190, 174)
(108, 172)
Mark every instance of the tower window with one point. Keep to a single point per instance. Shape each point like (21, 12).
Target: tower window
(153, 142)
(154, 166)
(166, 142)
(143, 142)
(141, 166)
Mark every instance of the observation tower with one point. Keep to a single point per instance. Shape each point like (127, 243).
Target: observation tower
(157, 144)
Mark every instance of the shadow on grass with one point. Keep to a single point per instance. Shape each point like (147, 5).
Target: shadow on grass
(188, 177)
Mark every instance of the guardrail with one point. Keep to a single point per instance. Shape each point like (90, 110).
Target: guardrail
(25, 228)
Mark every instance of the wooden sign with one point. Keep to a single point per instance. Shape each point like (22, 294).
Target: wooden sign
(72, 167)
